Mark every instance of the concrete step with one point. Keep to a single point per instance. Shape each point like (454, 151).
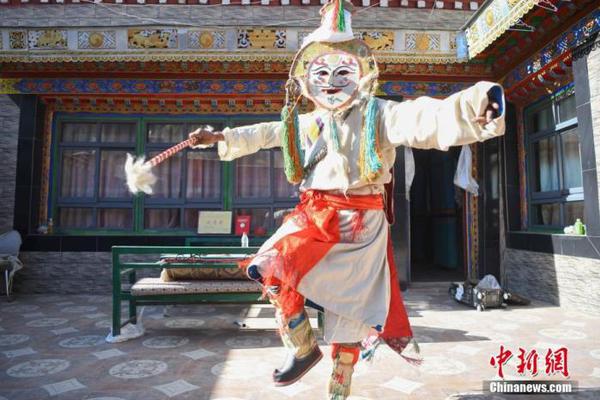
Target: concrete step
(430, 285)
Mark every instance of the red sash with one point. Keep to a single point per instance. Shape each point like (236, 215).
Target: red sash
(317, 215)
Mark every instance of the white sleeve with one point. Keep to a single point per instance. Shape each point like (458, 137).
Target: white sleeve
(248, 139)
(428, 123)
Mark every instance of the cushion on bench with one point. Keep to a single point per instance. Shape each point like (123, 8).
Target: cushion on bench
(156, 286)
(174, 274)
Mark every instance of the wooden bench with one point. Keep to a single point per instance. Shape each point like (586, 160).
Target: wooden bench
(154, 291)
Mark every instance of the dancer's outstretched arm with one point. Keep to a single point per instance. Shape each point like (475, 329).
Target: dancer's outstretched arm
(471, 115)
(241, 141)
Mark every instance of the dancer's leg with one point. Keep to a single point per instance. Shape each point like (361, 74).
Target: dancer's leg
(303, 350)
(345, 356)
(296, 334)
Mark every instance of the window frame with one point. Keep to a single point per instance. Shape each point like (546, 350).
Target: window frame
(94, 203)
(271, 203)
(181, 203)
(556, 129)
(141, 202)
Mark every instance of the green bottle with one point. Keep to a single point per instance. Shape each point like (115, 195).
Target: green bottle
(579, 227)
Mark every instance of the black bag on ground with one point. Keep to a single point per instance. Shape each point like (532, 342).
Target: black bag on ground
(479, 298)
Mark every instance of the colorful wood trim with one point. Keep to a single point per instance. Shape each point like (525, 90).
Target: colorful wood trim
(196, 90)
(197, 87)
(472, 222)
(230, 44)
(543, 82)
(522, 164)
(149, 67)
(556, 50)
(46, 161)
(413, 89)
(217, 69)
(492, 20)
(424, 4)
(144, 105)
(515, 46)
(194, 56)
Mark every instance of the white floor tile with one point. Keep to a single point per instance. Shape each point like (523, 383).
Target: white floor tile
(103, 355)
(57, 388)
(176, 388)
(402, 385)
(198, 354)
(19, 352)
(63, 331)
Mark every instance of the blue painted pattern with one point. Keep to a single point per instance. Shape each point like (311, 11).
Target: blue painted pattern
(568, 40)
(148, 86)
(411, 89)
(207, 87)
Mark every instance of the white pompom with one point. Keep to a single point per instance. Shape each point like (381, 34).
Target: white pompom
(139, 175)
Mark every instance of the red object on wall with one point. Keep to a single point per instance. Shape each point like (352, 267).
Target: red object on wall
(260, 231)
(242, 224)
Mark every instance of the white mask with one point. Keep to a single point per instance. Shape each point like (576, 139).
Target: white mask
(332, 80)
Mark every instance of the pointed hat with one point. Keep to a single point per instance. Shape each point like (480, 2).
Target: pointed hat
(336, 23)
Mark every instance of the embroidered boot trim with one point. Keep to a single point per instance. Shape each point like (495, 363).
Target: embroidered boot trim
(297, 334)
(345, 357)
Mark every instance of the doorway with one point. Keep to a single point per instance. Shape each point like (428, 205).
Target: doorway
(436, 216)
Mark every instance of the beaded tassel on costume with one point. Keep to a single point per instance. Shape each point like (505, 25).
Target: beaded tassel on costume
(293, 154)
(370, 155)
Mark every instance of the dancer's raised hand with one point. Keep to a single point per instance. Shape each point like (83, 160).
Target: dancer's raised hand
(491, 111)
(203, 137)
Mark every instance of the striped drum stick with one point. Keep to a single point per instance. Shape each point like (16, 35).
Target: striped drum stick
(171, 151)
(139, 172)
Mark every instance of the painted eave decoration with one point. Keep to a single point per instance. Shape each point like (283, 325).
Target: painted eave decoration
(218, 44)
(550, 67)
(493, 19)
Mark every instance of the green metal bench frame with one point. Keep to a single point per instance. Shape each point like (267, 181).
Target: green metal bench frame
(127, 270)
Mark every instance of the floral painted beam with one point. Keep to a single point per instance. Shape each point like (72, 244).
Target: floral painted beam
(194, 88)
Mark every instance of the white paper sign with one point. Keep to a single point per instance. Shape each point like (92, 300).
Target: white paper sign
(214, 222)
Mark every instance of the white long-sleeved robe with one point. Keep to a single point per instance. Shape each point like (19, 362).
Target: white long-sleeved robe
(423, 123)
(352, 281)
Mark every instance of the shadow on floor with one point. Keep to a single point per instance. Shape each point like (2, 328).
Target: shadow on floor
(425, 334)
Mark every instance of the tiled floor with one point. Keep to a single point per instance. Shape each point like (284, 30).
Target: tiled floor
(53, 347)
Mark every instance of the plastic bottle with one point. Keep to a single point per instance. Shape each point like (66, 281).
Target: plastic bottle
(245, 240)
(579, 228)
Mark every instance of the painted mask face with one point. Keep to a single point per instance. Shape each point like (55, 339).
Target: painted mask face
(332, 80)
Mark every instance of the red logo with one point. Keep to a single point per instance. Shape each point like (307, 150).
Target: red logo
(555, 361)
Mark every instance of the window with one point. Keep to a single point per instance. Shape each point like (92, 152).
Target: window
(188, 182)
(90, 194)
(262, 191)
(555, 179)
(91, 187)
